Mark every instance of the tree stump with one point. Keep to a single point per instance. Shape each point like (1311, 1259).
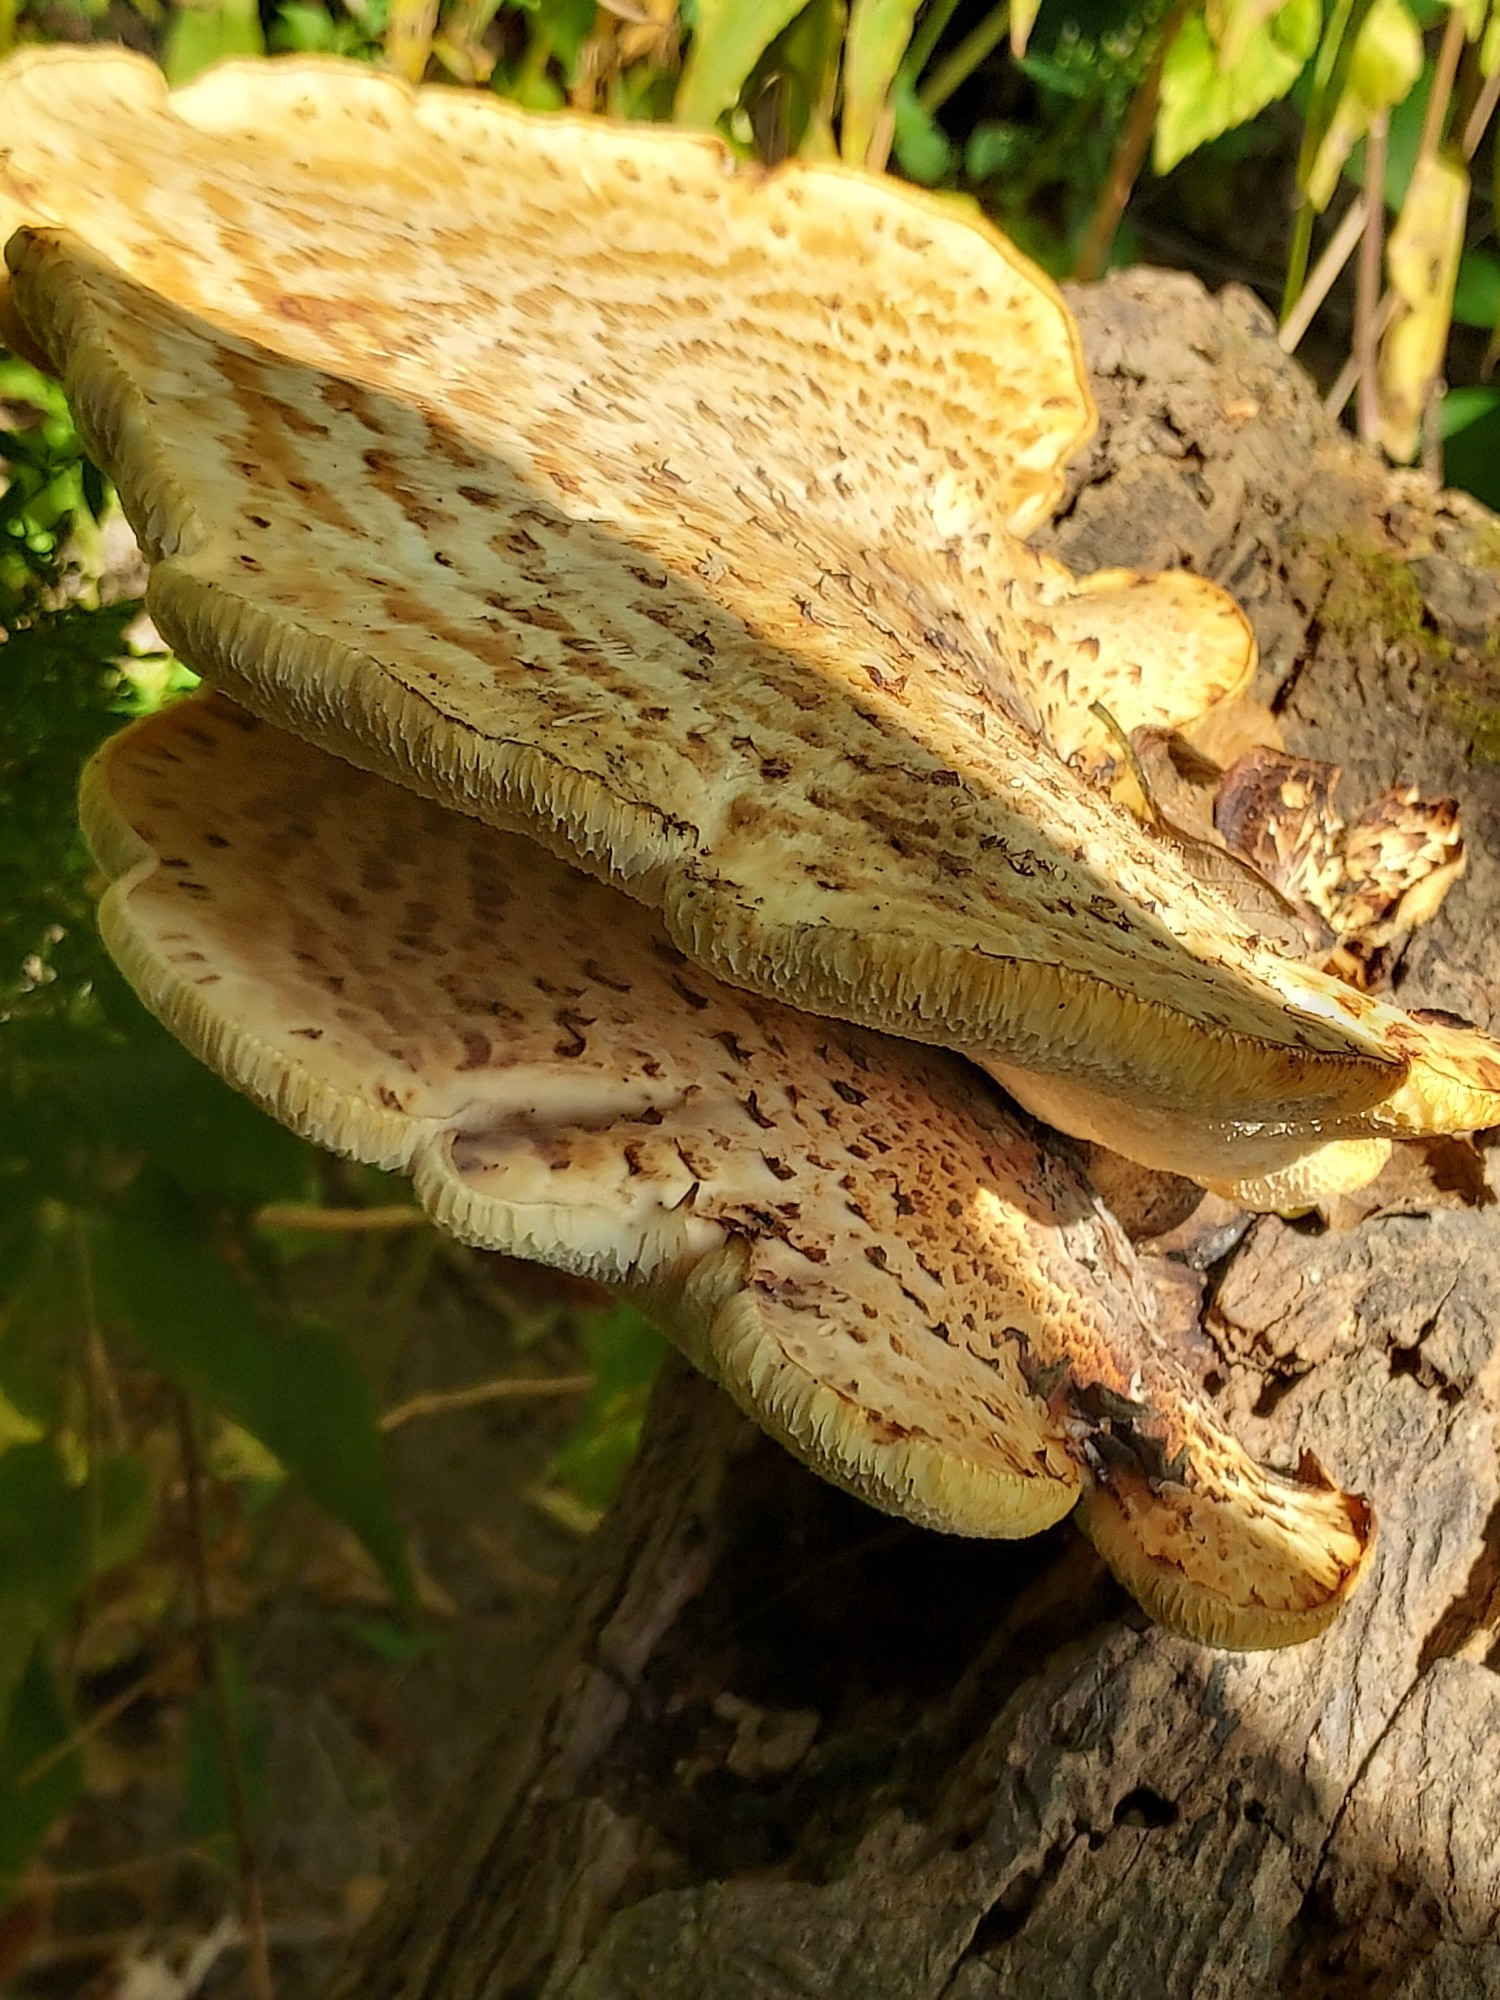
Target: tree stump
(779, 1746)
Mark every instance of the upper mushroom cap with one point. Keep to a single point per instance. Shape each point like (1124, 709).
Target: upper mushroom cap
(665, 511)
(851, 1233)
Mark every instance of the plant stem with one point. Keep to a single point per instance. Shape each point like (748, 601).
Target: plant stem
(212, 1665)
(107, 1712)
(1348, 376)
(928, 35)
(1479, 118)
(956, 69)
(1367, 283)
(1129, 154)
(1329, 68)
(1444, 71)
(1336, 254)
(503, 1389)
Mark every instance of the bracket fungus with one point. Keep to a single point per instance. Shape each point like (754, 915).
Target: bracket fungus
(668, 511)
(601, 505)
(854, 1235)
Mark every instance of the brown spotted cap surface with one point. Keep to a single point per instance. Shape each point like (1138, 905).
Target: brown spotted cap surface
(666, 511)
(853, 1234)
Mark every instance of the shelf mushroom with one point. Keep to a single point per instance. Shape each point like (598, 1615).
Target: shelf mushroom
(667, 511)
(879, 1261)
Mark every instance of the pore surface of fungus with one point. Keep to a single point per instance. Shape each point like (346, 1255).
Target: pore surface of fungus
(856, 1236)
(667, 512)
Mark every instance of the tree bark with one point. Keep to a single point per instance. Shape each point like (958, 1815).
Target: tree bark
(778, 1746)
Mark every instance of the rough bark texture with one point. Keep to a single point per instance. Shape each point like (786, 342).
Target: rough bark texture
(781, 1747)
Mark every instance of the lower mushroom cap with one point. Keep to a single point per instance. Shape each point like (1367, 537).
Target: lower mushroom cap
(853, 1235)
(1251, 1568)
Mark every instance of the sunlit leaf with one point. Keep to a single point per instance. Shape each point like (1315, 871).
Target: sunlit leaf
(923, 149)
(624, 1353)
(1422, 254)
(15, 1427)
(296, 1388)
(1383, 68)
(1233, 24)
(729, 38)
(879, 31)
(201, 34)
(408, 37)
(1199, 101)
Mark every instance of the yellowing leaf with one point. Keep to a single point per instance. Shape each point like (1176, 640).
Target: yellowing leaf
(1384, 66)
(1422, 258)
(730, 38)
(1199, 100)
(1023, 15)
(408, 37)
(879, 31)
(1233, 23)
(15, 1426)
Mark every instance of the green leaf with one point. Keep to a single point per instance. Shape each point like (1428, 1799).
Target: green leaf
(994, 148)
(1199, 101)
(1402, 143)
(37, 1724)
(298, 1388)
(200, 35)
(304, 27)
(1233, 23)
(1471, 442)
(625, 1353)
(729, 38)
(38, 1331)
(206, 1796)
(44, 1555)
(397, 1645)
(1476, 298)
(923, 149)
(122, 1510)
(879, 32)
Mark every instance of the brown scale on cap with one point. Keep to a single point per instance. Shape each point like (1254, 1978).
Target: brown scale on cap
(853, 1234)
(668, 512)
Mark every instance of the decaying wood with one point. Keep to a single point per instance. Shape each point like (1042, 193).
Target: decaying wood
(782, 1747)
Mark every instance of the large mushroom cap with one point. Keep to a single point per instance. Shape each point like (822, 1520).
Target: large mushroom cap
(851, 1233)
(665, 511)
